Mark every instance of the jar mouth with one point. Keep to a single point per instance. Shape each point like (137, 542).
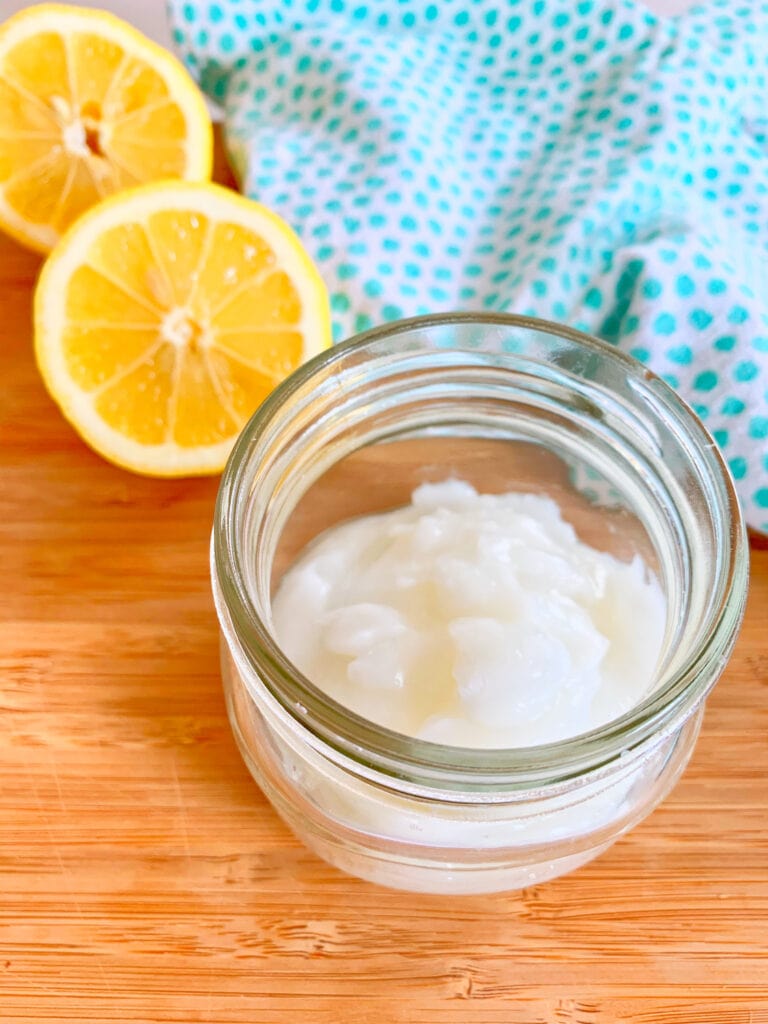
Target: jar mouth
(376, 747)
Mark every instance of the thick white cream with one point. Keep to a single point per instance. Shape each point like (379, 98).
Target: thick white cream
(476, 620)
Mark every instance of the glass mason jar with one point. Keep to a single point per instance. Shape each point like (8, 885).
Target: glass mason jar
(506, 403)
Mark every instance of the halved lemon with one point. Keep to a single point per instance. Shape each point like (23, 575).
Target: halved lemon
(88, 106)
(166, 315)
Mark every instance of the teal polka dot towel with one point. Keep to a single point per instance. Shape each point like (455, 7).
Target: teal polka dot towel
(578, 160)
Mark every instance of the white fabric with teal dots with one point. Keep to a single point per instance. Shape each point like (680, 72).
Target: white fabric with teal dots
(578, 160)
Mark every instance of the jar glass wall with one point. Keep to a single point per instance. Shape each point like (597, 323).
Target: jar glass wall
(508, 404)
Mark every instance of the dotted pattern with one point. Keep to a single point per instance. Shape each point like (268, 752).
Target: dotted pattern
(580, 160)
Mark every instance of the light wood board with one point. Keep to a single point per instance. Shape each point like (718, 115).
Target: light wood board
(144, 878)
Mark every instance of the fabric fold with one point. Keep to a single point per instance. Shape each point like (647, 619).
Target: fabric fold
(586, 162)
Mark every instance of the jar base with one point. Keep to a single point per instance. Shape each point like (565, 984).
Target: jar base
(442, 879)
(395, 863)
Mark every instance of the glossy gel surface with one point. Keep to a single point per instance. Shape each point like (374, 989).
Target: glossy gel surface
(476, 620)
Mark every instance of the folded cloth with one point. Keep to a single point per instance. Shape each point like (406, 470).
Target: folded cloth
(579, 160)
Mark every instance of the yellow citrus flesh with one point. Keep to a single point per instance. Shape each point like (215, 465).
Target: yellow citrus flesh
(88, 106)
(166, 315)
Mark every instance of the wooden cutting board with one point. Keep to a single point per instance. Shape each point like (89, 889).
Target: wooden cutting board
(144, 878)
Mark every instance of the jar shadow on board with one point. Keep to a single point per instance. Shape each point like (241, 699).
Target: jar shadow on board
(506, 404)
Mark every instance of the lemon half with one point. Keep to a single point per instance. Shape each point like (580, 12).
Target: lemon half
(88, 106)
(166, 315)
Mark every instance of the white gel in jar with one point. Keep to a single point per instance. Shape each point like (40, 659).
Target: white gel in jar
(474, 620)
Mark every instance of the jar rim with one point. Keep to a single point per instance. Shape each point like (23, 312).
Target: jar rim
(376, 746)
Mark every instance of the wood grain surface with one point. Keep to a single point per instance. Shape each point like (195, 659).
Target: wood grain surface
(144, 878)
